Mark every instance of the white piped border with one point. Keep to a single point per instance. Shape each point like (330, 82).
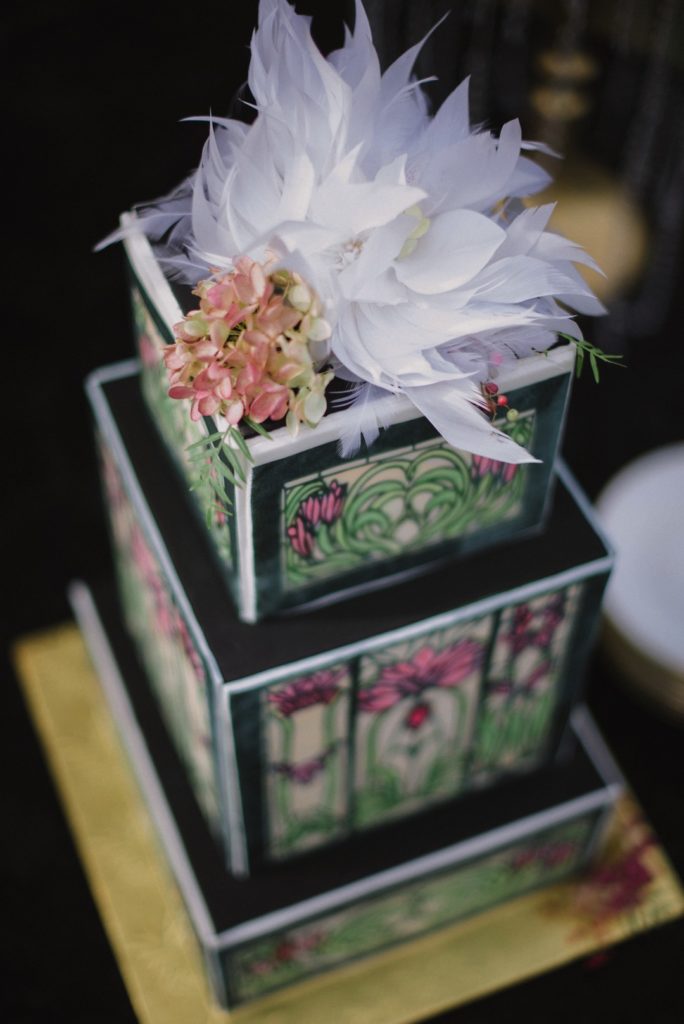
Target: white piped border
(585, 506)
(376, 884)
(244, 532)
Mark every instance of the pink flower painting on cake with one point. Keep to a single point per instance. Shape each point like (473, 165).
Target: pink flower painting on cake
(324, 507)
(304, 772)
(320, 688)
(302, 537)
(418, 715)
(531, 628)
(292, 947)
(548, 855)
(426, 669)
(481, 467)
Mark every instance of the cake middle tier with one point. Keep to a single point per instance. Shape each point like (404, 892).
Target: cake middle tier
(307, 728)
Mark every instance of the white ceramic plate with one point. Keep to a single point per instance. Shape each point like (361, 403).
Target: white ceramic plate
(642, 511)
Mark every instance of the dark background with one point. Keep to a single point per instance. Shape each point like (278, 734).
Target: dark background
(92, 94)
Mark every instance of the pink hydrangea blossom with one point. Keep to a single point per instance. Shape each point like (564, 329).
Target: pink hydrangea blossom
(245, 351)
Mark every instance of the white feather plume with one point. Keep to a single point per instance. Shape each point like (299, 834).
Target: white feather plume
(365, 402)
(407, 226)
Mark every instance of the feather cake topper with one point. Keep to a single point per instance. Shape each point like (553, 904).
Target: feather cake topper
(399, 239)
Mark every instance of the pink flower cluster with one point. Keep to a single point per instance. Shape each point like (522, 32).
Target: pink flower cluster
(247, 351)
(322, 507)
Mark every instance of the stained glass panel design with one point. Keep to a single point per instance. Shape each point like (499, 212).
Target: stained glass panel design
(524, 677)
(414, 723)
(416, 711)
(306, 727)
(393, 503)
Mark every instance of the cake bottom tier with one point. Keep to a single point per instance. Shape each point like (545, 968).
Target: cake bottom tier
(322, 911)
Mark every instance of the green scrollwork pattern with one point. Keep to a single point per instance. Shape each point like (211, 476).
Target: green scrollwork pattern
(402, 502)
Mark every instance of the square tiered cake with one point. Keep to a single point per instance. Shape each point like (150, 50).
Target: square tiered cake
(307, 728)
(356, 348)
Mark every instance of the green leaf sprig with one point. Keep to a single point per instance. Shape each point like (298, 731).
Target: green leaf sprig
(585, 349)
(218, 464)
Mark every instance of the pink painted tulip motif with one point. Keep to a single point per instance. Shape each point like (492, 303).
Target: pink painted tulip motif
(302, 537)
(418, 715)
(481, 467)
(144, 560)
(148, 352)
(325, 506)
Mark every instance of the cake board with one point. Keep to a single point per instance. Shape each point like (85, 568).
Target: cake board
(151, 934)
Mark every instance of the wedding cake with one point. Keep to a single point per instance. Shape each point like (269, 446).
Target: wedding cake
(360, 586)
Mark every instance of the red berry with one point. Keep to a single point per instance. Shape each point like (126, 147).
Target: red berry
(502, 400)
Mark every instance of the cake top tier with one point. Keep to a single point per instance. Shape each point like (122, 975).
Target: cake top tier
(347, 233)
